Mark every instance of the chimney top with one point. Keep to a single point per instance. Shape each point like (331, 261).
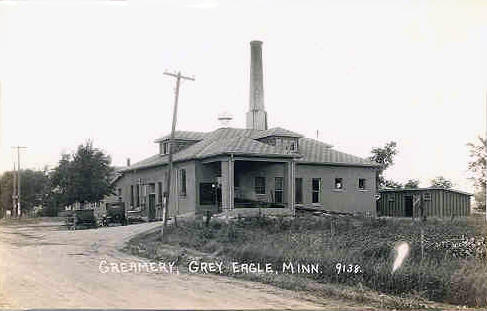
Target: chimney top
(256, 42)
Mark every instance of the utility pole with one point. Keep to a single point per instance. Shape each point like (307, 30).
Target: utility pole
(165, 209)
(14, 192)
(19, 211)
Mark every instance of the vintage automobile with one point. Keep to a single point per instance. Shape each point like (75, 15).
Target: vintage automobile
(135, 216)
(84, 218)
(115, 213)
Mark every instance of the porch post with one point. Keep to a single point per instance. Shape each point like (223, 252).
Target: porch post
(227, 168)
(291, 185)
(231, 169)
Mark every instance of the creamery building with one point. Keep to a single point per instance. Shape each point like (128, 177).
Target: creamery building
(270, 170)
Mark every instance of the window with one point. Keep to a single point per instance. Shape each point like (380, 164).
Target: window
(182, 182)
(259, 185)
(427, 196)
(339, 183)
(137, 195)
(119, 192)
(298, 193)
(132, 195)
(278, 189)
(361, 183)
(159, 192)
(165, 148)
(315, 192)
(292, 147)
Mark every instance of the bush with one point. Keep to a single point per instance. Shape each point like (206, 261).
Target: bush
(468, 285)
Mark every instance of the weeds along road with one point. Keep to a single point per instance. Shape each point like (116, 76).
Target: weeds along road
(44, 266)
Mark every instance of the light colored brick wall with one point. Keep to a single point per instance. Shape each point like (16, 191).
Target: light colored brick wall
(350, 199)
(182, 205)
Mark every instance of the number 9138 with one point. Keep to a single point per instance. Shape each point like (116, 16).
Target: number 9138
(350, 268)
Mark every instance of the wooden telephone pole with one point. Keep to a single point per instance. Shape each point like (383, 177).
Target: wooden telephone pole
(19, 211)
(14, 193)
(165, 209)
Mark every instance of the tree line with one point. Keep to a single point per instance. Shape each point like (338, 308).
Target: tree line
(82, 176)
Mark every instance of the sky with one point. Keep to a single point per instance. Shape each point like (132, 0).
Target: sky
(355, 74)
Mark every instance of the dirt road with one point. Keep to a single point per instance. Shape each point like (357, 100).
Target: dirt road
(44, 266)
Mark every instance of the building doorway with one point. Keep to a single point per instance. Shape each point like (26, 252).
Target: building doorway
(152, 206)
(298, 195)
(408, 206)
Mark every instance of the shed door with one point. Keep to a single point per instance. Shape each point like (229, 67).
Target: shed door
(408, 206)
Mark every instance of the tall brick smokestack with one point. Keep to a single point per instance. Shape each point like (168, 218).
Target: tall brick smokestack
(256, 117)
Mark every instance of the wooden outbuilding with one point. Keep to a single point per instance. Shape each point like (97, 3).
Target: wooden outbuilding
(430, 202)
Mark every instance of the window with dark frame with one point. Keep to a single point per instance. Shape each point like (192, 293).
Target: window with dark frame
(339, 183)
(292, 147)
(315, 190)
(159, 192)
(137, 195)
(182, 182)
(278, 189)
(259, 186)
(298, 193)
(361, 183)
(132, 195)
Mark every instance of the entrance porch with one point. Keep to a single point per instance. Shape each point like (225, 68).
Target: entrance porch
(239, 185)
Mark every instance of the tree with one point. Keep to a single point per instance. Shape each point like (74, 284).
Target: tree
(412, 184)
(441, 182)
(477, 167)
(6, 192)
(385, 157)
(34, 186)
(392, 184)
(82, 177)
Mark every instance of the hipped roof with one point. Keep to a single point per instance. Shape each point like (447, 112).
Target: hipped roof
(236, 141)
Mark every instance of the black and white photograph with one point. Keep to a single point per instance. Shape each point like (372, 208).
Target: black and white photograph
(231, 154)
